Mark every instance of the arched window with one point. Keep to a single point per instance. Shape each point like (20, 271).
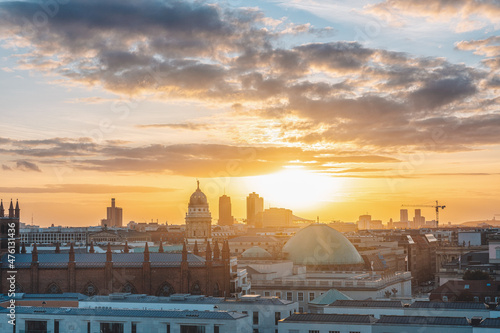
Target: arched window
(196, 289)
(129, 288)
(165, 290)
(216, 290)
(53, 289)
(445, 298)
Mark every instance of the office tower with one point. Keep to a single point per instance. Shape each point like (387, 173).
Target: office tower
(225, 217)
(255, 206)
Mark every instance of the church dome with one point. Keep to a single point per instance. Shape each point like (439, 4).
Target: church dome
(198, 197)
(256, 252)
(321, 245)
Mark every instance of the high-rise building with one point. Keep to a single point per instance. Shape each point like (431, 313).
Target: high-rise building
(403, 215)
(418, 220)
(255, 205)
(114, 216)
(225, 217)
(277, 217)
(198, 218)
(364, 222)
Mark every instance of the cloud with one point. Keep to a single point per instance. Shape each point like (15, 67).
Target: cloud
(27, 166)
(6, 167)
(185, 126)
(466, 15)
(85, 189)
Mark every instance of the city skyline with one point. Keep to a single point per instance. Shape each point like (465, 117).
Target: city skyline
(329, 109)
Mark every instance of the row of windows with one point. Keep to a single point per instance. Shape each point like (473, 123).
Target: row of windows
(289, 295)
(318, 331)
(487, 299)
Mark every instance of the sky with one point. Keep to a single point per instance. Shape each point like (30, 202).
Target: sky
(329, 108)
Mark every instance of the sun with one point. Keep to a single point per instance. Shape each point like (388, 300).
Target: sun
(295, 188)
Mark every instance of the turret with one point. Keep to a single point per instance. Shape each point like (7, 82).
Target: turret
(91, 250)
(146, 252)
(125, 248)
(225, 250)
(17, 211)
(109, 255)
(195, 249)
(71, 253)
(23, 249)
(11, 209)
(58, 249)
(184, 252)
(34, 254)
(160, 249)
(216, 250)
(208, 253)
(2, 210)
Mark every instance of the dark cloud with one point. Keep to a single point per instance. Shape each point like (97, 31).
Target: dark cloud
(85, 189)
(6, 167)
(27, 166)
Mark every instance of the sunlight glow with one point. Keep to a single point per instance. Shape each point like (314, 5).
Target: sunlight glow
(296, 188)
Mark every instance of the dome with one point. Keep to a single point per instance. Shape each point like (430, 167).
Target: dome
(198, 197)
(256, 252)
(321, 245)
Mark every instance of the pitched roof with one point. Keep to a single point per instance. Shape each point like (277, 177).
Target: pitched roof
(367, 304)
(329, 297)
(423, 321)
(330, 318)
(449, 305)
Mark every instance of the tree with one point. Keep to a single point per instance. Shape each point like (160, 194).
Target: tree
(476, 275)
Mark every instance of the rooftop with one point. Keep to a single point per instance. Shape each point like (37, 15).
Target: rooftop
(329, 318)
(367, 304)
(423, 321)
(449, 305)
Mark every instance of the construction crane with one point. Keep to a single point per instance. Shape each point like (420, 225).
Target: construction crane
(436, 206)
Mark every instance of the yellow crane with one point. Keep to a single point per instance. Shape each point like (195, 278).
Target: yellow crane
(436, 206)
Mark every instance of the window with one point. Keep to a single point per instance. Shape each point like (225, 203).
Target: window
(278, 294)
(267, 293)
(255, 330)
(33, 326)
(311, 296)
(466, 286)
(289, 296)
(216, 329)
(277, 317)
(487, 299)
(168, 328)
(313, 331)
(111, 327)
(255, 318)
(445, 298)
(56, 326)
(301, 309)
(88, 327)
(192, 329)
(354, 332)
(134, 327)
(476, 299)
(300, 297)
(334, 332)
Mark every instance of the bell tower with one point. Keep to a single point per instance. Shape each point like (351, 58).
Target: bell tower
(198, 218)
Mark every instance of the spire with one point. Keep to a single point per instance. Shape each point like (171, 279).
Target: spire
(195, 249)
(23, 249)
(146, 252)
(2, 210)
(91, 250)
(225, 250)
(208, 252)
(58, 249)
(216, 250)
(34, 254)
(11, 209)
(125, 248)
(71, 253)
(184, 252)
(160, 249)
(17, 210)
(198, 182)
(109, 255)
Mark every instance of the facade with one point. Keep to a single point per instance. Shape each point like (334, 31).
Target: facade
(225, 217)
(45, 319)
(255, 206)
(105, 273)
(198, 218)
(114, 216)
(52, 235)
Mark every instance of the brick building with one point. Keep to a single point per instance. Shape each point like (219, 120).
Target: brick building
(91, 273)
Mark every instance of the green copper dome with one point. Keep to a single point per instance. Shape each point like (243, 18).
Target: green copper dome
(256, 252)
(321, 245)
